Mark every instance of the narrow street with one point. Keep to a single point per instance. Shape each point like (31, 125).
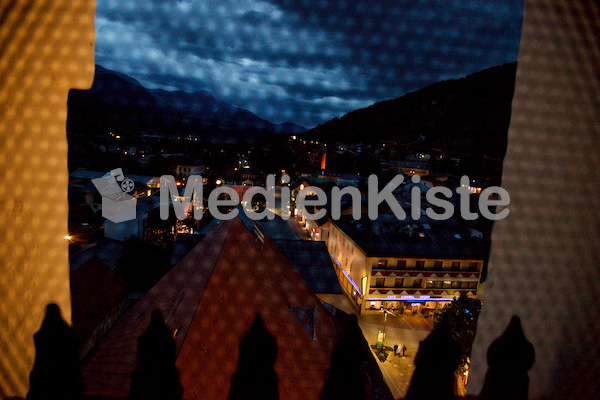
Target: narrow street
(408, 330)
(292, 222)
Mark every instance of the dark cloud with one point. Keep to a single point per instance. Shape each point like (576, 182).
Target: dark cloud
(302, 60)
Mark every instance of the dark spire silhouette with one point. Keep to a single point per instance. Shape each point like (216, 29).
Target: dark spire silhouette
(55, 374)
(436, 361)
(345, 378)
(155, 376)
(510, 356)
(255, 378)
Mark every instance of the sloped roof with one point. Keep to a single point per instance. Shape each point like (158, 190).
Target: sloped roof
(87, 174)
(312, 261)
(250, 277)
(107, 370)
(107, 250)
(212, 297)
(387, 236)
(276, 228)
(95, 290)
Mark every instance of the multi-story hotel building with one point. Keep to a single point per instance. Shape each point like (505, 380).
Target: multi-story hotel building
(409, 265)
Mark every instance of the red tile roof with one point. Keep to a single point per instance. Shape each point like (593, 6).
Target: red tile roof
(212, 297)
(106, 372)
(95, 291)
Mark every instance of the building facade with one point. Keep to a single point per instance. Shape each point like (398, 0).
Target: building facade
(185, 171)
(415, 266)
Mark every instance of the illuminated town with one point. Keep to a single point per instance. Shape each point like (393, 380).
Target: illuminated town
(279, 200)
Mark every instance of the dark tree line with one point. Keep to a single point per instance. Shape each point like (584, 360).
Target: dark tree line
(461, 316)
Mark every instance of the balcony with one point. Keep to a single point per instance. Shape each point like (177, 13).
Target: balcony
(448, 292)
(424, 273)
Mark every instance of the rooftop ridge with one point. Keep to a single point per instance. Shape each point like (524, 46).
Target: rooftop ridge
(249, 278)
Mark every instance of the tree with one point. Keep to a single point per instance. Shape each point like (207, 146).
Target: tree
(462, 314)
(158, 230)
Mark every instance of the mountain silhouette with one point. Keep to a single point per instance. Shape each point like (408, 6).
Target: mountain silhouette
(466, 116)
(119, 103)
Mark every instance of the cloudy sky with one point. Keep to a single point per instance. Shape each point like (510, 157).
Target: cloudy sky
(304, 61)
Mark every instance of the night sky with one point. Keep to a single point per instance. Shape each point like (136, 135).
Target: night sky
(304, 61)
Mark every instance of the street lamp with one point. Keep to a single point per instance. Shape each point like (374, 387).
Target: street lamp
(382, 333)
(383, 310)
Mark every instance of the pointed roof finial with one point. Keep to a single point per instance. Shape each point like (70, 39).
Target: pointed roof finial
(510, 356)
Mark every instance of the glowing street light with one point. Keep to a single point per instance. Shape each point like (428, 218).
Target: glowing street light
(382, 333)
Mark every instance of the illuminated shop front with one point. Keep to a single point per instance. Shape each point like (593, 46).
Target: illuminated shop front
(408, 304)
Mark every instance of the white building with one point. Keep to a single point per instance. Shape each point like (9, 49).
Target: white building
(410, 265)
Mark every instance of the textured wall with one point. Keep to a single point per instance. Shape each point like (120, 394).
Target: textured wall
(46, 48)
(545, 262)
